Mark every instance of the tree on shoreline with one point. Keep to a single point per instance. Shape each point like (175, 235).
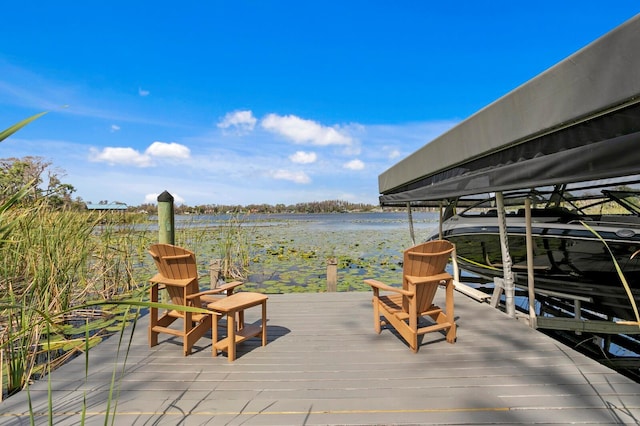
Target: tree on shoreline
(329, 206)
(42, 183)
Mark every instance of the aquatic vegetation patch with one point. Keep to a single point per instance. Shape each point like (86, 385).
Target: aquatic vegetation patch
(294, 259)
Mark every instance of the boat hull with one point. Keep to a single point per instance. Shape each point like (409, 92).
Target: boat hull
(568, 259)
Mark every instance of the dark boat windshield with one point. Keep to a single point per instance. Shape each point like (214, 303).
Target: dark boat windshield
(562, 205)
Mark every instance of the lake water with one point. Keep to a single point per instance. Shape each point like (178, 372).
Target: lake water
(321, 221)
(289, 252)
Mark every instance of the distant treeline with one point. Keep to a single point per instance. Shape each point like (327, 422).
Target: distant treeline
(330, 206)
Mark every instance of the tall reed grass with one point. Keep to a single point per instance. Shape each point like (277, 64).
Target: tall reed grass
(48, 269)
(234, 246)
(64, 275)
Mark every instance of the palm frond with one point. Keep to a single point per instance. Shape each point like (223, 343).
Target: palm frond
(11, 130)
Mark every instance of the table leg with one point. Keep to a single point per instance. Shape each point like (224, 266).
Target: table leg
(241, 319)
(231, 335)
(214, 334)
(264, 323)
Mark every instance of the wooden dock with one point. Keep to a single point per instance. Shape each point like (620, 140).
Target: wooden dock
(324, 364)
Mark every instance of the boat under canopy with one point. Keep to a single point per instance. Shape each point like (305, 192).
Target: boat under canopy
(578, 121)
(568, 258)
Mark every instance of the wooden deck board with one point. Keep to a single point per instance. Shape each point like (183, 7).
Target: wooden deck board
(324, 364)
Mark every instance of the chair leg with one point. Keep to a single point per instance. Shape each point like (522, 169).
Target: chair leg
(412, 335)
(376, 316)
(187, 325)
(413, 323)
(413, 344)
(196, 333)
(451, 333)
(153, 316)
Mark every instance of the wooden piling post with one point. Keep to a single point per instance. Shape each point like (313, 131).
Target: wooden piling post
(215, 269)
(166, 232)
(332, 274)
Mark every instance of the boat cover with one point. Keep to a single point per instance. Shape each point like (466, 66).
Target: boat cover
(575, 122)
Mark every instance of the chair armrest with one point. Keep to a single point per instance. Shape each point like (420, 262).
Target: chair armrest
(382, 286)
(229, 286)
(226, 287)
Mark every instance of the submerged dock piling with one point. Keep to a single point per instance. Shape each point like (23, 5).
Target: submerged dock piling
(332, 274)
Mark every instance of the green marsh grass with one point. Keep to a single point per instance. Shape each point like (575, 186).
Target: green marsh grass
(47, 271)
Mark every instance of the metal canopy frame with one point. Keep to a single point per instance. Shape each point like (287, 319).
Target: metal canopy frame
(577, 121)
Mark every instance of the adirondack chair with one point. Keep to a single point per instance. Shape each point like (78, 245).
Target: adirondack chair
(423, 272)
(178, 275)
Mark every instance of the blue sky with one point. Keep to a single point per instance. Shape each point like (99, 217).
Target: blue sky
(240, 102)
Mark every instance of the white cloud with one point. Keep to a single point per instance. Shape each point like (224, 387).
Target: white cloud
(115, 128)
(297, 177)
(153, 198)
(168, 150)
(241, 121)
(351, 150)
(132, 157)
(150, 198)
(302, 157)
(394, 154)
(354, 165)
(124, 156)
(304, 131)
(142, 92)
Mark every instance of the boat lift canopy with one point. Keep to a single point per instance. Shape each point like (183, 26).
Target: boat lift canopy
(578, 121)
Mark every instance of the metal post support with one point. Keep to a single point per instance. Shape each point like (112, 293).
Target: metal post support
(530, 279)
(413, 237)
(509, 287)
(440, 220)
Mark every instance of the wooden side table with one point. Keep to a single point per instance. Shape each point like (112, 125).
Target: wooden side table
(237, 302)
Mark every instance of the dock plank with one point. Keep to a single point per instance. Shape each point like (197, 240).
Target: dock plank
(324, 364)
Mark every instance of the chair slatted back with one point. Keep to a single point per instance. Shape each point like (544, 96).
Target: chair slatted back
(177, 263)
(425, 260)
(174, 262)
